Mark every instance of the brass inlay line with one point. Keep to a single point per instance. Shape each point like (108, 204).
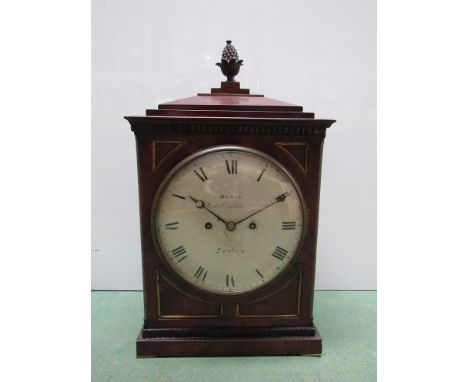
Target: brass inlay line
(299, 294)
(306, 148)
(180, 316)
(153, 150)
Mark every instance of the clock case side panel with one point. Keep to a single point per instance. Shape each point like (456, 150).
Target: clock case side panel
(309, 159)
(149, 180)
(314, 172)
(147, 264)
(160, 295)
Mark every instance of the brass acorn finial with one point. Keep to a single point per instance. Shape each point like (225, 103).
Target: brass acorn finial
(230, 63)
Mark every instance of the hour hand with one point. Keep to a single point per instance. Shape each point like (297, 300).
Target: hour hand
(198, 203)
(201, 204)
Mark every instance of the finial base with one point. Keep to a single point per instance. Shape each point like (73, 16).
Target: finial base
(231, 87)
(230, 69)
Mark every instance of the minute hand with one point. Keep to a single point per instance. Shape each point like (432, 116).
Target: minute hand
(278, 199)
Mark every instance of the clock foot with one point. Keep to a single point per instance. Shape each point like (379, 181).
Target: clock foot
(229, 342)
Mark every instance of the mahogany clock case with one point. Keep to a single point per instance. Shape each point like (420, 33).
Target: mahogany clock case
(275, 319)
(204, 294)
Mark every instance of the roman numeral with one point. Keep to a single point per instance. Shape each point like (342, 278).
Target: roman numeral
(259, 273)
(279, 253)
(288, 225)
(201, 271)
(202, 176)
(231, 166)
(261, 174)
(282, 197)
(178, 196)
(230, 281)
(171, 226)
(179, 253)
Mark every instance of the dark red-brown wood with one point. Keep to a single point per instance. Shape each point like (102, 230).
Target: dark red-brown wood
(230, 346)
(175, 311)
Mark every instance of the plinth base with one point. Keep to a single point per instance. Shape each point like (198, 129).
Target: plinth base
(228, 342)
(229, 88)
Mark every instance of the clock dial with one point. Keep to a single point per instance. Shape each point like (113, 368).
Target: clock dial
(228, 220)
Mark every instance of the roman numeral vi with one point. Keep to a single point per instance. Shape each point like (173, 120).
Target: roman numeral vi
(230, 281)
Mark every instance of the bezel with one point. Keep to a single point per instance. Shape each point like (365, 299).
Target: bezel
(217, 294)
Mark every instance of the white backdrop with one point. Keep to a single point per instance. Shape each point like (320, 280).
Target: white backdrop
(318, 54)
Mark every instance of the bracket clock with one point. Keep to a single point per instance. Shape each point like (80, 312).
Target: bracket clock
(229, 187)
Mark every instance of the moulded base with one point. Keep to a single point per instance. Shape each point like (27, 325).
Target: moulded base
(219, 342)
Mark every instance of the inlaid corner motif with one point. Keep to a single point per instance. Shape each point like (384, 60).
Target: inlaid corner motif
(160, 149)
(296, 314)
(298, 151)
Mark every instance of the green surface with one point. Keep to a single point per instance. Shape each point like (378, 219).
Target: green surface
(346, 320)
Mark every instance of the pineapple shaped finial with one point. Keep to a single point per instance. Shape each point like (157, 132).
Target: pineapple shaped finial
(230, 63)
(229, 52)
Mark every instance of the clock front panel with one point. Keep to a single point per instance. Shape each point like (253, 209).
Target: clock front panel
(228, 220)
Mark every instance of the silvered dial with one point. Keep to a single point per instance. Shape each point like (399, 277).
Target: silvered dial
(228, 220)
